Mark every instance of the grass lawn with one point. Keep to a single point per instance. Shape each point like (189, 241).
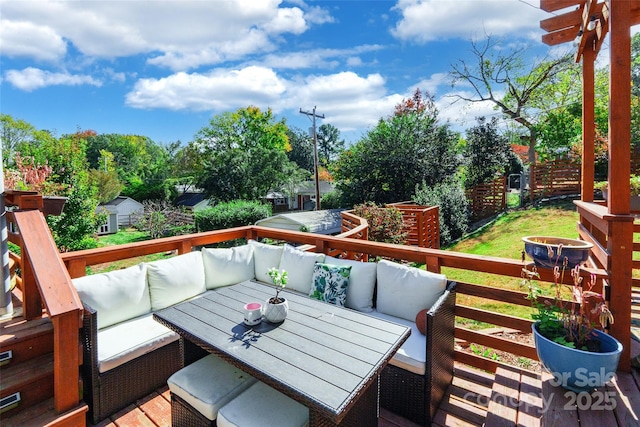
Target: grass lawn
(503, 238)
(122, 237)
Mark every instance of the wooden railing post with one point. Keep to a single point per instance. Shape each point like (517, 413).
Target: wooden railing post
(31, 301)
(66, 360)
(620, 246)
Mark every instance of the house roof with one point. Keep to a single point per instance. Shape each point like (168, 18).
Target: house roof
(118, 200)
(189, 199)
(327, 221)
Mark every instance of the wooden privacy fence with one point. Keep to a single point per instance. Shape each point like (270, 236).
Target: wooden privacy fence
(423, 223)
(486, 200)
(555, 178)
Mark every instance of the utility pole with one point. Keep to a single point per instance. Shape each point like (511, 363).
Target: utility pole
(315, 151)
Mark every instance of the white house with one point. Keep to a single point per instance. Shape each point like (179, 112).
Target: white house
(120, 213)
(327, 221)
(193, 201)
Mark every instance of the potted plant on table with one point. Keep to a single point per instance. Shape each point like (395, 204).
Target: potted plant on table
(567, 334)
(277, 307)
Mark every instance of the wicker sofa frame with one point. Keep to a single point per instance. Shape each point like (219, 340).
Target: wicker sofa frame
(108, 392)
(417, 397)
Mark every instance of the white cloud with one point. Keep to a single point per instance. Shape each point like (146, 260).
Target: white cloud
(25, 39)
(183, 34)
(349, 101)
(317, 58)
(432, 83)
(426, 20)
(30, 79)
(220, 90)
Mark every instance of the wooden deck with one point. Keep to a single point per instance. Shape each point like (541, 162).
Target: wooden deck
(509, 397)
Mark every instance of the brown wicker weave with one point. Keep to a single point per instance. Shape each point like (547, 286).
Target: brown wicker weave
(108, 392)
(185, 415)
(417, 397)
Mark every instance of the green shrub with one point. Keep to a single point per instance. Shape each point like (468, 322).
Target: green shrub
(331, 200)
(385, 224)
(231, 214)
(454, 208)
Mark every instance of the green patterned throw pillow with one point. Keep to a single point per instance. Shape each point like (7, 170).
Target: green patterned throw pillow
(329, 283)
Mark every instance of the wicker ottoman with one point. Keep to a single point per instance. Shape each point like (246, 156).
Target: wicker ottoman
(261, 405)
(199, 390)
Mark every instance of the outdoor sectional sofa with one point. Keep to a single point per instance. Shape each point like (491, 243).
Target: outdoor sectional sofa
(127, 354)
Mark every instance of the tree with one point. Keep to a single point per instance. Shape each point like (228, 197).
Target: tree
(329, 144)
(301, 152)
(487, 153)
(13, 133)
(243, 154)
(161, 219)
(496, 71)
(402, 151)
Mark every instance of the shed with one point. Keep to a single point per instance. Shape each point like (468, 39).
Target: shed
(327, 221)
(120, 213)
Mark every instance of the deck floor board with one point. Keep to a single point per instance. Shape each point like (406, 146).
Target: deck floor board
(467, 403)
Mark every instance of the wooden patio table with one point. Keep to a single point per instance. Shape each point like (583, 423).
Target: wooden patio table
(326, 357)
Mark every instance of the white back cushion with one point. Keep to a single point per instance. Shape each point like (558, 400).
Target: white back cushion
(362, 282)
(175, 279)
(264, 257)
(117, 296)
(403, 291)
(299, 265)
(224, 267)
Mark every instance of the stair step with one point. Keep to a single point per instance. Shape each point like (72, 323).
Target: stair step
(44, 414)
(503, 406)
(26, 340)
(33, 379)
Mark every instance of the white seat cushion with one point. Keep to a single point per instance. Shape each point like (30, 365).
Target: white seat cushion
(265, 257)
(261, 405)
(125, 341)
(299, 264)
(208, 384)
(175, 279)
(117, 296)
(228, 266)
(412, 355)
(403, 291)
(362, 282)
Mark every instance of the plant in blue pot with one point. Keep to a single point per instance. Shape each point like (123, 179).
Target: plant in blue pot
(568, 334)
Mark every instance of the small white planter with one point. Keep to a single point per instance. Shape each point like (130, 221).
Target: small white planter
(276, 313)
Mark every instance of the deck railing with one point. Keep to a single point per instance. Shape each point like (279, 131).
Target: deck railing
(45, 281)
(434, 259)
(423, 223)
(602, 229)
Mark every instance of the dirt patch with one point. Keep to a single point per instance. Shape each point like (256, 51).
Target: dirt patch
(503, 356)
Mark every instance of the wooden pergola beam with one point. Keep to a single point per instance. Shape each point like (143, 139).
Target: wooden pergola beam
(553, 5)
(560, 22)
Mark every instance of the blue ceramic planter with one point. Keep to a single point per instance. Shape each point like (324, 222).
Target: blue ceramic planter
(579, 370)
(537, 247)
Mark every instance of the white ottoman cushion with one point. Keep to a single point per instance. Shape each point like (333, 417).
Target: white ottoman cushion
(209, 384)
(261, 405)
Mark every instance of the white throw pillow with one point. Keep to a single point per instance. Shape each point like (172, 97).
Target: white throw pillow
(403, 291)
(362, 282)
(265, 257)
(228, 266)
(299, 265)
(175, 279)
(117, 296)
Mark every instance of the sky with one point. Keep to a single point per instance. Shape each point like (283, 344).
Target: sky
(163, 68)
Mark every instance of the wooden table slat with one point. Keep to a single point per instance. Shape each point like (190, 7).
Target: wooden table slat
(323, 356)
